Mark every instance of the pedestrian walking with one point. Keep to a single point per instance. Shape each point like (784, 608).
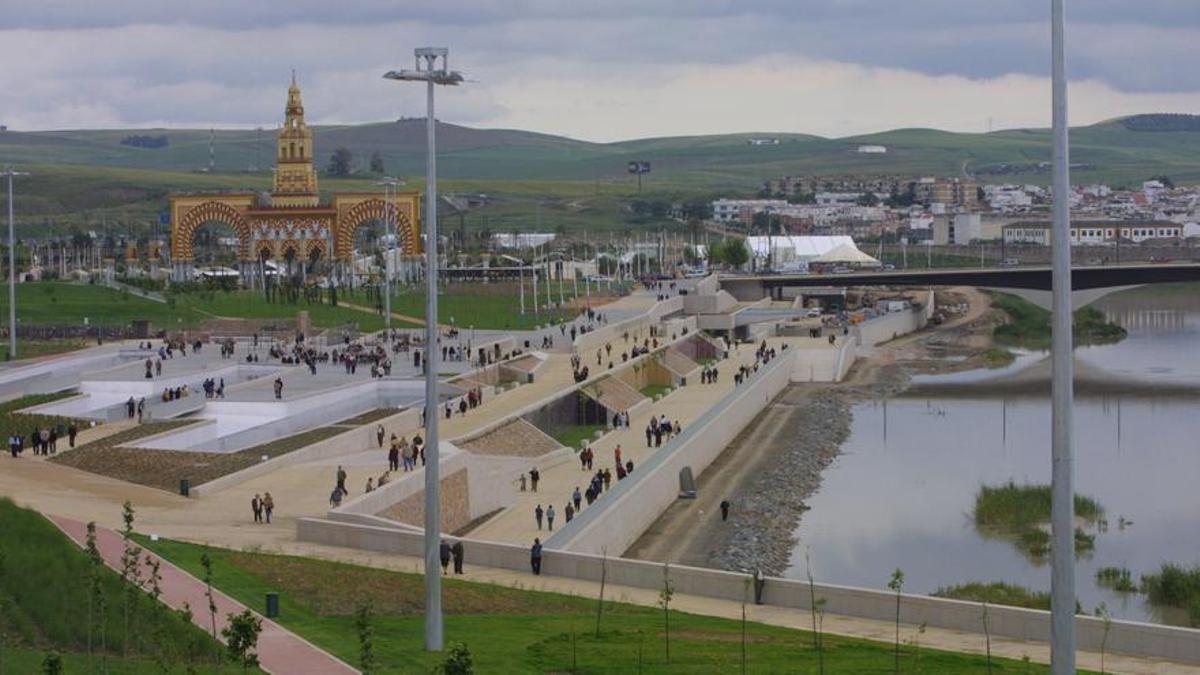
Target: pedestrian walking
(457, 552)
(537, 512)
(72, 432)
(535, 556)
(341, 480)
(550, 517)
(534, 476)
(256, 507)
(444, 555)
(268, 505)
(379, 434)
(278, 388)
(577, 497)
(724, 510)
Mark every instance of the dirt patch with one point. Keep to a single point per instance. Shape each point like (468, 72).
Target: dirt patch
(111, 456)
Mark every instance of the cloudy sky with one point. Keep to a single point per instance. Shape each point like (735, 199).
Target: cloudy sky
(595, 69)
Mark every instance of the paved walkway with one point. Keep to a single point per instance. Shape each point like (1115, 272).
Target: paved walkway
(279, 650)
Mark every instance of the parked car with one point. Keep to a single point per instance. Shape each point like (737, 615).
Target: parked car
(1010, 262)
(813, 312)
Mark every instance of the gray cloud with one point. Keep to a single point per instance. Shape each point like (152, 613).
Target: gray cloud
(84, 63)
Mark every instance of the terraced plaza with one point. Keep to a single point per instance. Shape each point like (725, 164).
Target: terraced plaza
(193, 464)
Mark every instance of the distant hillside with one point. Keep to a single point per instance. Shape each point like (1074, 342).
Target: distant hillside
(120, 179)
(1161, 122)
(1114, 152)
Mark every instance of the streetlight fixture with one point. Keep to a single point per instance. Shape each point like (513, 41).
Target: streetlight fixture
(1062, 479)
(12, 266)
(431, 72)
(390, 226)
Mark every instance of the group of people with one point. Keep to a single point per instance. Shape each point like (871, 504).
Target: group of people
(660, 427)
(138, 408)
(709, 375)
(43, 440)
(401, 452)
(448, 552)
(262, 507)
(600, 481)
(214, 389)
(174, 394)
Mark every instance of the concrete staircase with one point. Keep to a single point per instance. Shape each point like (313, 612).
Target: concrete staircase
(518, 438)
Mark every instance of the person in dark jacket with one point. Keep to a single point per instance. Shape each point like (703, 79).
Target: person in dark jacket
(535, 556)
(457, 551)
(444, 553)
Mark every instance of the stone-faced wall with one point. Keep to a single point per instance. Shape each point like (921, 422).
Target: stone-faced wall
(456, 505)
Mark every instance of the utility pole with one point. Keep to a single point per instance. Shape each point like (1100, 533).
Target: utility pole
(12, 266)
(1062, 481)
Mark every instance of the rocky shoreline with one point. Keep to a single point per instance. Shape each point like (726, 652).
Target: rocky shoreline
(769, 509)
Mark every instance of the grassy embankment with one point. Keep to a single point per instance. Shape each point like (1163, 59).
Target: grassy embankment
(1029, 325)
(1021, 512)
(513, 630)
(44, 608)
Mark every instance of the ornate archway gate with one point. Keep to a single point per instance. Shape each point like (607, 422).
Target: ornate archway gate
(291, 218)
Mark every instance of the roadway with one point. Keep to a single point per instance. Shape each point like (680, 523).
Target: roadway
(1031, 277)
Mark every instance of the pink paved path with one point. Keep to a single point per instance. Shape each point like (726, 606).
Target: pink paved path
(279, 650)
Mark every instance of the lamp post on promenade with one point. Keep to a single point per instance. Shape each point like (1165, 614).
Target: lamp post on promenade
(10, 173)
(431, 72)
(389, 226)
(1062, 482)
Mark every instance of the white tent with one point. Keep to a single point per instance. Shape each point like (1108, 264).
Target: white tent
(846, 255)
(794, 252)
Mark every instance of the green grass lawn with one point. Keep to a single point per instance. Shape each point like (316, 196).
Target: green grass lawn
(573, 437)
(484, 306)
(44, 600)
(60, 303)
(509, 630)
(652, 390)
(495, 305)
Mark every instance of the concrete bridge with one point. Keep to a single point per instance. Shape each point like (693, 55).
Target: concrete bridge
(1088, 283)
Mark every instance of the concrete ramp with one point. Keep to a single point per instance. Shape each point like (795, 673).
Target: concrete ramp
(518, 438)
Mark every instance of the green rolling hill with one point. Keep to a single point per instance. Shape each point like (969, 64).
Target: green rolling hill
(87, 175)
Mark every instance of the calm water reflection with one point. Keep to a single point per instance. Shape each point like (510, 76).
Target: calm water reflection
(902, 491)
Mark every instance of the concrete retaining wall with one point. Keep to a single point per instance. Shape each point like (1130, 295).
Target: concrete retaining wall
(890, 326)
(1127, 637)
(632, 506)
(612, 332)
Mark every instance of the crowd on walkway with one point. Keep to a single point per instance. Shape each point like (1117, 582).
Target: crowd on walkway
(43, 440)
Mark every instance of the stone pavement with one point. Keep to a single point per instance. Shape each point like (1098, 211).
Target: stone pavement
(279, 650)
(516, 524)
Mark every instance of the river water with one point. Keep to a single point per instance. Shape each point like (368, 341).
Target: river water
(901, 493)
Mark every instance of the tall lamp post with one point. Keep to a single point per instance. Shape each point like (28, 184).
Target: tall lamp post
(390, 225)
(12, 266)
(1062, 480)
(431, 72)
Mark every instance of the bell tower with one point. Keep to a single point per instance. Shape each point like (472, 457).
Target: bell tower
(295, 177)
